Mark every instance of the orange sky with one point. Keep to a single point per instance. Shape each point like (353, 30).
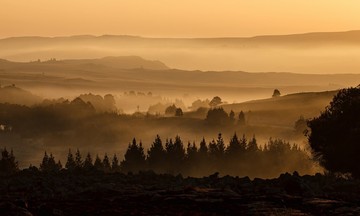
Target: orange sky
(176, 18)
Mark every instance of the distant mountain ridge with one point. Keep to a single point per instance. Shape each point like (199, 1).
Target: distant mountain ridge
(352, 36)
(322, 52)
(119, 62)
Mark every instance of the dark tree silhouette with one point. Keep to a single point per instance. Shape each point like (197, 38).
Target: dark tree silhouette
(243, 143)
(8, 164)
(179, 112)
(88, 163)
(156, 155)
(232, 116)
(134, 158)
(98, 165)
(203, 149)
(215, 101)
(191, 153)
(335, 134)
(115, 164)
(252, 145)
(106, 163)
(70, 163)
(241, 120)
(234, 147)
(48, 164)
(170, 110)
(78, 160)
(276, 93)
(217, 116)
(175, 154)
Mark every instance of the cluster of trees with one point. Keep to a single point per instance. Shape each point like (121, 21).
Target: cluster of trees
(218, 116)
(52, 117)
(78, 163)
(8, 164)
(335, 135)
(239, 157)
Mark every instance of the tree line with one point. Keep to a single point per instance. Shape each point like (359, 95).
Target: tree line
(239, 157)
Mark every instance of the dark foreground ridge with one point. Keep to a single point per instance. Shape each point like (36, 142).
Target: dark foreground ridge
(65, 193)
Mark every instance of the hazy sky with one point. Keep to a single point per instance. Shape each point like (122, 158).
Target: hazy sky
(180, 18)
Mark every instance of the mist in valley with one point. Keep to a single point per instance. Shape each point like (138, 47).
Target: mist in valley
(97, 94)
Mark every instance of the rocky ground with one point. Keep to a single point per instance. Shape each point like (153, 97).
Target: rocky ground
(64, 193)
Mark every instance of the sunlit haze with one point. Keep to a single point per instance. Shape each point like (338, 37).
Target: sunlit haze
(170, 18)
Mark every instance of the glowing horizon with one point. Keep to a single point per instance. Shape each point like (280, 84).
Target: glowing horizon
(169, 18)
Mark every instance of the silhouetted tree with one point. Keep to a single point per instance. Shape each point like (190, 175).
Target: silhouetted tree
(170, 110)
(203, 149)
(217, 116)
(78, 160)
(175, 154)
(115, 165)
(276, 93)
(98, 165)
(191, 152)
(252, 145)
(234, 147)
(241, 120)
(215, 101)
(8, 164)
(156, 155)
(232, 116)
(88, 163)
(70, 163)
(134, 158)
(48, 164)
(179, 112)
(243, 143)
(335, 134)
(106, 163)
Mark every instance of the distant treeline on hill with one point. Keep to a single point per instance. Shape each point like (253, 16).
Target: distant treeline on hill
(240, 157)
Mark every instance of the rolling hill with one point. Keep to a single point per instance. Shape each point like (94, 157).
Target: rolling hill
(327, 52)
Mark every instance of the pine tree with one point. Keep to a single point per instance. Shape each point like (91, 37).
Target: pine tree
(234, 147)
(156, 155)
(48, 164)
(88, 162)
(243, 143)
(78, 160)
(241, 120)
(253, 146)
(70, 163)
(220, 145)
(98, 165)
(175, 155)
(44, 163)
(232, 117)
(134, 158)
(115, 166)
(203, 149)
(106, 163)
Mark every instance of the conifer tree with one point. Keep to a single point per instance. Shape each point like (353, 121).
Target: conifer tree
(115, 166)
(156, 155)
(78, 160)
(70, 163)
(234, 145)
(241, 120)
(134, 158)
(203, 149)
(88, 162)
(98, 165)
(253, 146)
(106, 163)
